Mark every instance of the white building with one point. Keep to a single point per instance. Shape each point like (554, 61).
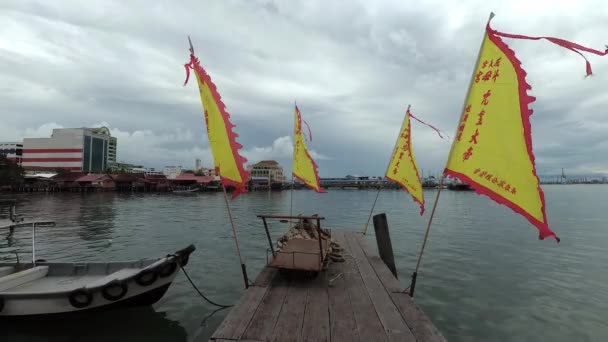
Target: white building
(12, 150)
(269, 169)
(172, 171)
(76, 149)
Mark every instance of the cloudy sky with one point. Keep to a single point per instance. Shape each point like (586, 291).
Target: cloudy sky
(352, 67)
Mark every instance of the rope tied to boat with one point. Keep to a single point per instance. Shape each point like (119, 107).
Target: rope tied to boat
(200, 293)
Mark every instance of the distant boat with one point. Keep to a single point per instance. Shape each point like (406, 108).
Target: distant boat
(276, 185)
(185, 191)
(429, 182)
(458, 185)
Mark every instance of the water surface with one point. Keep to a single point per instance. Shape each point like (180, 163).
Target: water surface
(485, 276)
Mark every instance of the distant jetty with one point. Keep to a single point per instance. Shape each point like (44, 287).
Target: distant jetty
(189, 182)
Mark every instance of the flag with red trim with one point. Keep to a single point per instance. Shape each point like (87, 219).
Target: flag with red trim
(229, 164)
(304, 167)
(492, 150)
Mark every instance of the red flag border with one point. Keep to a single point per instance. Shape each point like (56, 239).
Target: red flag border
(524, 100)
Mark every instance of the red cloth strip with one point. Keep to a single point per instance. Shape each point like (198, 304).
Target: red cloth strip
(577, 48)
(426, 124)
(309, 131)
(188, 66)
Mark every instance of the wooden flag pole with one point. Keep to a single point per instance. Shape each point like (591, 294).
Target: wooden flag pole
(293, 157)
(385, 172)
(236, 240)
(428, 227)
(291, 196)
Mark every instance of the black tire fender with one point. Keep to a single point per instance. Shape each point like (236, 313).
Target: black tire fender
(105, 291)
(80, 298)
(1, 304)
(167, 269)
(146, 277)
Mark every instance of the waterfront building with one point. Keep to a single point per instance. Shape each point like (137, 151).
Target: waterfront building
(85, 150)
(171, 172)
(112, 147)
(124, 167)
(268, 169)
(12, 150)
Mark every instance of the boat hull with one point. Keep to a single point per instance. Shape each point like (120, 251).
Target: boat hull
(66, 287)
(460, 187)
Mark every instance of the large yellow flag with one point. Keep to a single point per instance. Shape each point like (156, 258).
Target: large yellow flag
(304, 167)
(402, 167)
(492, 150)
(224, 147)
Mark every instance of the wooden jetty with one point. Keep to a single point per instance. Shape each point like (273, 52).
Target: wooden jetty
(355, 300)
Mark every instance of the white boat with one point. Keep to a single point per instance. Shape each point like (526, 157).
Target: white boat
(187, 190)
(41, 288)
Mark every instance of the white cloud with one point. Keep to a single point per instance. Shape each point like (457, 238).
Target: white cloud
(281, 148)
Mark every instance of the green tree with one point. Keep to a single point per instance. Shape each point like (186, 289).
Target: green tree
(10, 172)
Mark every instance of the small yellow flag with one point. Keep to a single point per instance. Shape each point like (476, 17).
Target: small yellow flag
(304, 167)
(492, 150)
(224, 147)
(402, 167)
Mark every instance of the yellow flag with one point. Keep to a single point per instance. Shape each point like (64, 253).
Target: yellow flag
(402, 168)
(304, 167)
(224, 147)
(492, 150)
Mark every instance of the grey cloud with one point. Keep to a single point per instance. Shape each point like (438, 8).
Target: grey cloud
(352, 67)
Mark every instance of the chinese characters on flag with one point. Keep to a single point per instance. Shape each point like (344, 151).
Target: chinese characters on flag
(227, 160)
(402, 167)
(304, 167)
(493, 146)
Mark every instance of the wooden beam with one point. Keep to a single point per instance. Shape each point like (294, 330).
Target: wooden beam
(383, 239)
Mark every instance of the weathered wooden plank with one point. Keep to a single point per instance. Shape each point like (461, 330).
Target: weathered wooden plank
(395, 327)
(289, 323)
(234, 325)
(343, 327)
(265, 277)
(421, 326)
(265, 318)
(368, 325)
(315, 326)
(391, 283)
(362, 302)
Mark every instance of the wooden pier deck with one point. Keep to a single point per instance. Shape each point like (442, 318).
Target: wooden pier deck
(355, 300)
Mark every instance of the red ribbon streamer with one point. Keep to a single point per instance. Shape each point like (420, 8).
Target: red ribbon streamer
(309, 131)
(577, 48)
(426, 124)
(188, 66)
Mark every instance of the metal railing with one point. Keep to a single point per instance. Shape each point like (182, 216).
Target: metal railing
(33, 225)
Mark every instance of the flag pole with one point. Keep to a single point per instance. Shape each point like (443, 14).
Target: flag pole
(293, 157)
(385, 172)
(291, 197)
(236, 240)
(428, 227)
